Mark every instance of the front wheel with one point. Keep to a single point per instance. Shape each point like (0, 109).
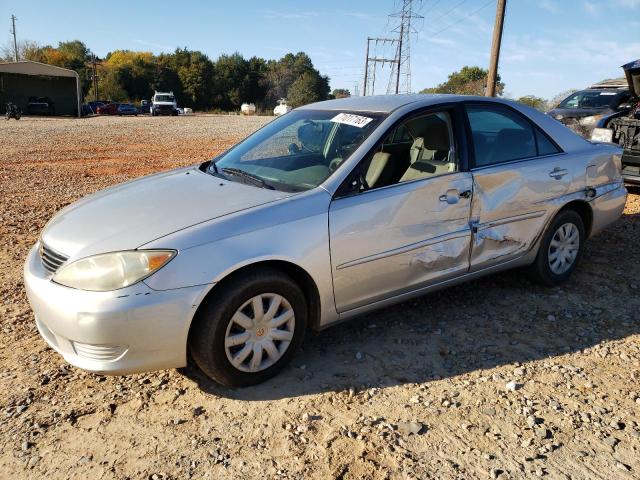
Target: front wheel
(560, 249)
(18, 115)
(249, 329)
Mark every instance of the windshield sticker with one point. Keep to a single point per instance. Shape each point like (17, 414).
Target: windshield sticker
(608, 93)
(351, 119)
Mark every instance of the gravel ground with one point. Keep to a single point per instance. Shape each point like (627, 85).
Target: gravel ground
(499, 378)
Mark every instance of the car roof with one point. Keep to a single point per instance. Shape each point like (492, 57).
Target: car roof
(389, 103)
(604, 89)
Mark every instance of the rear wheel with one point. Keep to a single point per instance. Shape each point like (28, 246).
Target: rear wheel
(560, 249)
(249, 329)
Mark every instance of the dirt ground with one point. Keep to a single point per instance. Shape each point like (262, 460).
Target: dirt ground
(418, 390)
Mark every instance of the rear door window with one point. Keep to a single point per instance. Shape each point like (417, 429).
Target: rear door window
(502, 135)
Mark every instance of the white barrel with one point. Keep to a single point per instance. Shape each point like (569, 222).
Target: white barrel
(248, 109)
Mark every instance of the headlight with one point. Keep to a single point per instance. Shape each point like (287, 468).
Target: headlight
(590, 120)
(111, 271)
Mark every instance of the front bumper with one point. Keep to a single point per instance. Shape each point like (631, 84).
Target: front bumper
(134, 329)
(164, 110)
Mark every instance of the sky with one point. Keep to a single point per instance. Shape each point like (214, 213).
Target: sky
(548, 46)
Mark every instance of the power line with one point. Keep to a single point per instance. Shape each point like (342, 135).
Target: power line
(449, 11)
(432, 6)
(461, 19)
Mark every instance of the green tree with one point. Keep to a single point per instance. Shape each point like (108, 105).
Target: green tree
(534, 102)
(341, 93)
(110, 86)
(231, 81)
(197, 80)
(282, 74)
(468, 81)
(307, 88)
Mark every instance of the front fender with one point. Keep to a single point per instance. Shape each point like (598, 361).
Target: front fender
(294, 231)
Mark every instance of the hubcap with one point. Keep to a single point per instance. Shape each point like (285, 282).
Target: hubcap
(260, 332)
(564, 248)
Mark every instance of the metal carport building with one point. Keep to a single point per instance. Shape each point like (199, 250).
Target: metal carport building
(21, 80)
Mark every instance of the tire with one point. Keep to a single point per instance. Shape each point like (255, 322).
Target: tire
(214, 322)
(545, 269)
(18, 115)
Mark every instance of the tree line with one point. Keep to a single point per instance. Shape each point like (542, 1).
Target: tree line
(472, 81)
(196, 80)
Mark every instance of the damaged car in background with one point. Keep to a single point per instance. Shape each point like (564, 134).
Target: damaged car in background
(328, 212)
(582, 110)
(623, 127)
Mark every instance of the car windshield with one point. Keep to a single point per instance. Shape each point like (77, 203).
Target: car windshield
(590, 99)
(164, 98)
(297, 151)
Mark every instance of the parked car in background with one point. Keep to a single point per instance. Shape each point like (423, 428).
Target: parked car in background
(582, 110)
(108, 109)
(145, 107)
(164, 103)
(95, 104)
(40, 106)
(623, 126)
(127, 109)
(328, 212)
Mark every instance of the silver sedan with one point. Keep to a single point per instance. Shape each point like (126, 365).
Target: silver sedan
(330, 211)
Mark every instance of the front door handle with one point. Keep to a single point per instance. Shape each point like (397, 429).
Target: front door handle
(453, 195)
(558, 173)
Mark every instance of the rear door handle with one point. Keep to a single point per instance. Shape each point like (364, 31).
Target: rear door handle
(558, 173)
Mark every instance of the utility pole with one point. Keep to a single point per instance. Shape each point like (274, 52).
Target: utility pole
(372, 61)
(95, 77)
(15, 43)
(495, 49)
(366, 69)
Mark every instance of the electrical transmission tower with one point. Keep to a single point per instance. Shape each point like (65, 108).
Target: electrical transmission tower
(373, 61)
(400, 79)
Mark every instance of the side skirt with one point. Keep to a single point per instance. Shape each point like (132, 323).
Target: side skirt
(523, 260)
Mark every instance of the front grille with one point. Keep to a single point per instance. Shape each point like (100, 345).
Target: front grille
(51, 260)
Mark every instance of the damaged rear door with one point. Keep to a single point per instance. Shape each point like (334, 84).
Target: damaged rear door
(517, 171)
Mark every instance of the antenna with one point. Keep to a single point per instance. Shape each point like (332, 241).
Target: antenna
(401, 69)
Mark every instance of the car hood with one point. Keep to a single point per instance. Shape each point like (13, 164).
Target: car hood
(632, 72)
(132, 214)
